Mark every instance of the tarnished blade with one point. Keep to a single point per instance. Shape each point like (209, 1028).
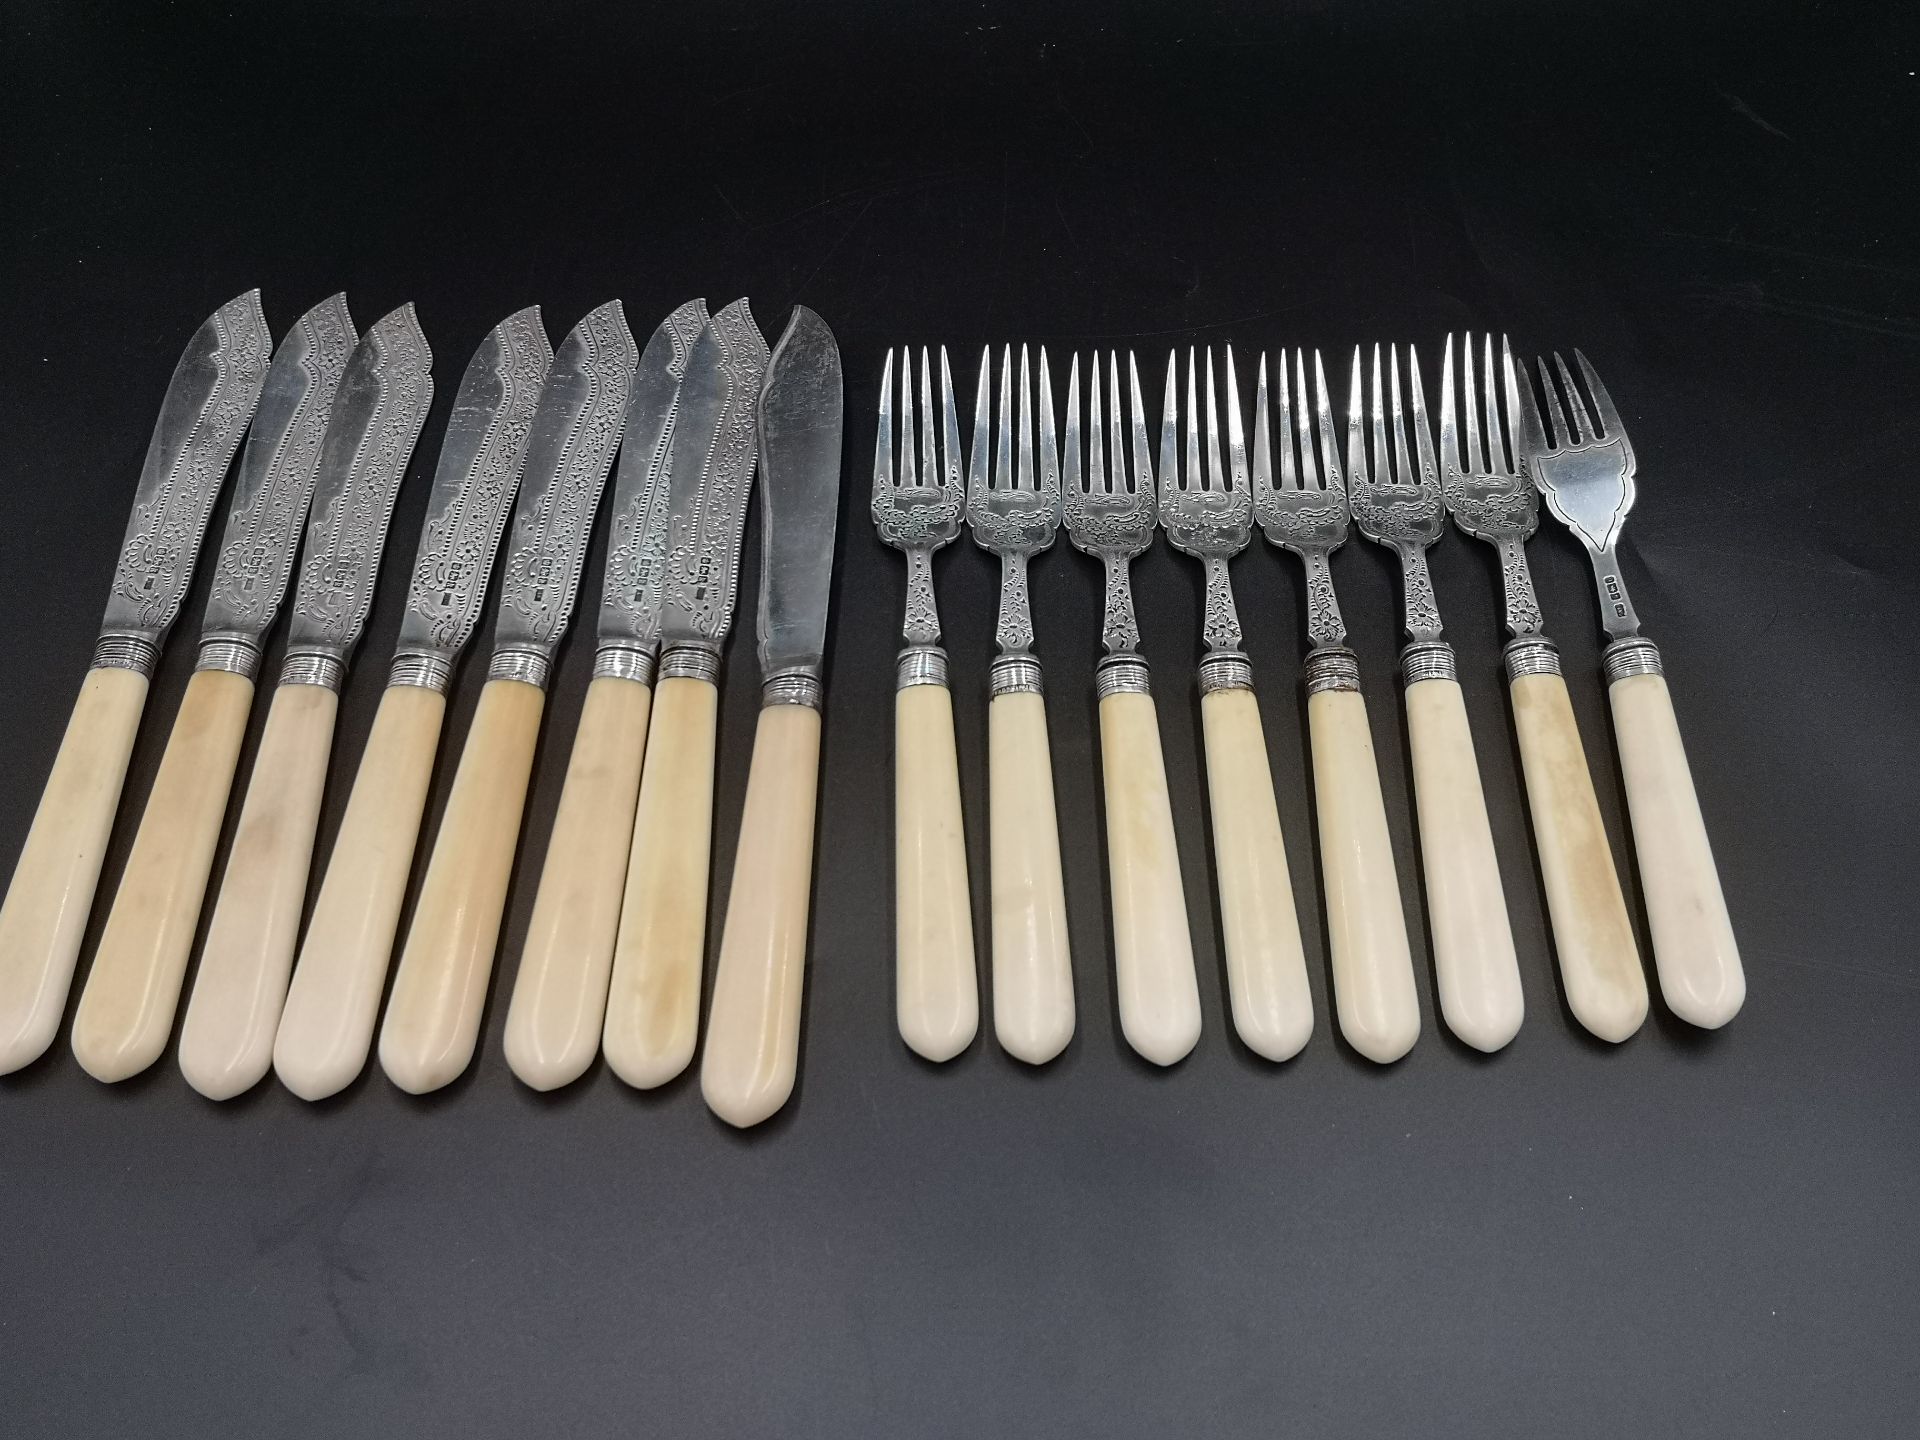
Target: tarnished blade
(277, 473)
(710, 476)
(802, 411)
(376, 418)
(637, 549)
(481, 459)
(575, 430)
(209, 401)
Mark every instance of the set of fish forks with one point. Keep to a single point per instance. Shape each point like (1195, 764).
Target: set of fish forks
(1501, 444)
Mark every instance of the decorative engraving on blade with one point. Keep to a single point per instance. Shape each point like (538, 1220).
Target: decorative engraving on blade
(802, 410)
(481, 460)
(212, 396)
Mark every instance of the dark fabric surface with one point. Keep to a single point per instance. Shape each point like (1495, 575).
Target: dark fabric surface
(1708, 1235)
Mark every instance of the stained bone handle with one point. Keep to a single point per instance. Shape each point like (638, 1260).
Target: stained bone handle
(560, 992)
(226, 1044)
(1599, 962)
(333, 1001)
(1693, 946)
(753, 1030)
(1266, 967)
(45, 912)
(937, 1002)
(126, 1011)
(1032, 965)
(440, 987)
(653, 1004)
(1152, 947)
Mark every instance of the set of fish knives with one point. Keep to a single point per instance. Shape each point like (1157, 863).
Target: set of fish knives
(1097, 475)
(614, 954)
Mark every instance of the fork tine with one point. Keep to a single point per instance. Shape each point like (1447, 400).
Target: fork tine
(1142, 459)
(1522, 413)
(1449, 433)
(1496, 453)
(1330, 459)
(1576, 402)
(1289, 466)
(1075, 473)
(906, 473)
(1170, 425)
(1359, 471)
(1117, 452)
(1603, 402)
(1024, 477)
(1396, 417)
(1553, 408)
(980, 446)
(1429, 476)
(883, 441)
(950, 428)
(1474, 452)
(1216, 465)
(1003, 433)
(1263, 431)
(929, 458)
(1098, 477)
(1190, 475)
(1049, 436)
(1236, 433)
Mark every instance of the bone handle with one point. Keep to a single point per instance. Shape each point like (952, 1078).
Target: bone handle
(653, 1003)
(937, 1003)
(753, 1030)
(1693, 946)
(440, 987)
(127, 1008)
(1473, 956)
(1032, 966)
(226, 1044)
(45, 912)
(560, 992)
(1152, 948)
(1266, 967)
(1373, 988)
(1599, 962)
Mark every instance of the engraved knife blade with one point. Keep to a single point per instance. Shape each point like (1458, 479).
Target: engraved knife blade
(481, 458)
(371, 430)
(575, 431)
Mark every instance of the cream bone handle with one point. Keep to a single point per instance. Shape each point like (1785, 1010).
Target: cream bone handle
(653, 1001)
(560, 992)
(45, 912)
(333, 1002)
(753, 1029)
(127, 1008)
(1694, 952)
(1373, 986)
(1599, 961)
(1474, 962)
(1152, 947)
(226, 1043)
(937, 990)
(1266, 966)
(1033, 1007)
(440, 987)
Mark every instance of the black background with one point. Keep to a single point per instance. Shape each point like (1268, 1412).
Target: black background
(1691, 1234)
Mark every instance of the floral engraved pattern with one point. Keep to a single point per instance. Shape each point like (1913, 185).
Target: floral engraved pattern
(1013, 630)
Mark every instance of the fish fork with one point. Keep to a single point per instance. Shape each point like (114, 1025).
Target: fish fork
(1306, 512)
(1396, 501)
(916, 507)
(1583, 463)
(1014, 513)
(1208, 513)
(1491, 497)
(1110, 510)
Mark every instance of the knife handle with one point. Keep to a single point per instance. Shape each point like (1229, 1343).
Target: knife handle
(753, 1029)
(1266, 966)
(45, 912)
(653, 1001)
(226, 1043)
(937, 999)
(1693, 946)
(1033, 1008)
(1152, 946)
(1476, 970)
(327, 1025)
(1373, 987)
(127, 1008)
(560, 993)
(1599, 961)
(440, 987)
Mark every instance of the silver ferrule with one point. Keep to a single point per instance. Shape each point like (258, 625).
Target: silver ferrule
(1330, 668)
(1225, 670)
(1636, 655)
(1427, 660)
(1015, 675)
(1531, 655)
(1122, 674)
(617, 660)
(793, 687)
(920, 665)
(529, 667)
(423, 669)
(232, 653)
(314, 667)
(138, 653)
(691, 662)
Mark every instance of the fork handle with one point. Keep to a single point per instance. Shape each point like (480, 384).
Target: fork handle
(1693, 945)
(1373, 987)
(1152, 946)
(1033, 1009)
